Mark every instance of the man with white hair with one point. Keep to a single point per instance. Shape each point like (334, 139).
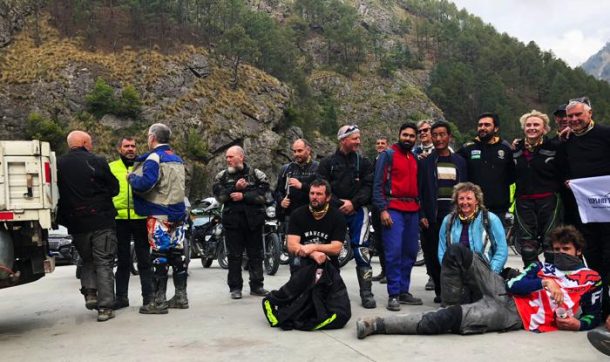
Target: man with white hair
(241, 189)
(158, 183)
(351, 178)
(585, 154)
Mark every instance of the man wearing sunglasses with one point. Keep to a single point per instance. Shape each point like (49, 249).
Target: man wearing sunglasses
(351, 178)
(425, 146)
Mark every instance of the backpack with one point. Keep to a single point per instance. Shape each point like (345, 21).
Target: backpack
(489, 237)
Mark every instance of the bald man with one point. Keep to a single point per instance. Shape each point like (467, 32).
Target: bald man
(86, 187)
(242, 189)
(293, 180)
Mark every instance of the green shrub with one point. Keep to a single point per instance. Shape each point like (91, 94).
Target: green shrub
(102, 101)
(45, 129)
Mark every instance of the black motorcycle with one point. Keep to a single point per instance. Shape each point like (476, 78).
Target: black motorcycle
(272, 246)
(207, 240)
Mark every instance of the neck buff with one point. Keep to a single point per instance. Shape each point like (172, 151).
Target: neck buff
(531, 146)
(470, 217)
(318, 214)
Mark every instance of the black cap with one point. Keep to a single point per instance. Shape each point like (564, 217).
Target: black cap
(560, 111)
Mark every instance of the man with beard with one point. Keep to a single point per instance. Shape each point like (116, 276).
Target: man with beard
(129, 225)
(438, 174)
(294, 178)
(489, 160)
(316, 231)
(396, 195)
(351, 176)
(241, 189)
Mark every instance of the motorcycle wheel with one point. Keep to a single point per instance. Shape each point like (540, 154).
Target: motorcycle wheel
(223, 261)
(133, 265)
(207, 262)
(345, 255)
(419, 260)
(272, 256)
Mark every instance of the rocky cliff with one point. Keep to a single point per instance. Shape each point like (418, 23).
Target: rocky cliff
(598, 65)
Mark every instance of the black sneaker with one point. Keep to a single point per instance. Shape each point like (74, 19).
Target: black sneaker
(236, 294)
(437, 299)
(407, 298)
(600, 339)
(259, 292)
(430, 284)
(393, 304)
(120, 302)
(383, 280)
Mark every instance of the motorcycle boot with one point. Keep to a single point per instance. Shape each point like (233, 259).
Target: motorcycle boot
(365, 275)
(159, 303)
(400, 324)
(180, 299)
(90, 298)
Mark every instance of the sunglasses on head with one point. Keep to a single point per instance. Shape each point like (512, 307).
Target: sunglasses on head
(583, 100)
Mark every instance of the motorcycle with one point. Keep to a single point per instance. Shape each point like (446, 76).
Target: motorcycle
(272, 246)
(206, 239)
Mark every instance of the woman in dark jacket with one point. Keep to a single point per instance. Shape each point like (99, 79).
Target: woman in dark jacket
(538, 206)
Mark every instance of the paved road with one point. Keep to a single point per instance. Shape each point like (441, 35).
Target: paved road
(47, 320)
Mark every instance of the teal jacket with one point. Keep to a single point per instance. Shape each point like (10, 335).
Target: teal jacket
(496, 251)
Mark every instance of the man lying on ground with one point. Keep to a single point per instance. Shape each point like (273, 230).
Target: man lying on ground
(545, 297)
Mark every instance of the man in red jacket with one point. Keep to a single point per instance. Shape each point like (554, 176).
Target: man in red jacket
(395, 195)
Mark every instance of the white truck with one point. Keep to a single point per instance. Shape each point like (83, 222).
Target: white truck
(28, 201)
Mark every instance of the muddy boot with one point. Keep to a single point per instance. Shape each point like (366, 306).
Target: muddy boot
(399, 324)
(179, 300)
(369, 325)
(90, 298)
(365, 275)
(159, 304)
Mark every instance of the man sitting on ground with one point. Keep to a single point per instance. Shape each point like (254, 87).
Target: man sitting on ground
(545, 297)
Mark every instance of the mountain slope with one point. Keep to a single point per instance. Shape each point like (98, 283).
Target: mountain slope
(598, 65)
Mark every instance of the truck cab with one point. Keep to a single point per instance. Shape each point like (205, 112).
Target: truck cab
(28, 204)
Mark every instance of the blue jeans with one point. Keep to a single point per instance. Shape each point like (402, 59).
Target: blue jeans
(400, 243)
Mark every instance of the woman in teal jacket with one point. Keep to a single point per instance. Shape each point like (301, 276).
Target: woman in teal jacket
(474, 227)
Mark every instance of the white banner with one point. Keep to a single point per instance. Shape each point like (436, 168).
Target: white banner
(593, 197)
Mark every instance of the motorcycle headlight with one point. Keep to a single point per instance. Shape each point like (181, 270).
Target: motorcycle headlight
(218, 230)
(270, 211)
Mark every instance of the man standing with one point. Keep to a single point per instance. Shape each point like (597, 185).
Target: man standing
(86, 187)
(425, 139)
(380, 145)
(490, 164)
(294, 179)
(585, 154)
(129, 225)
(351, 177)
(438, 173)
(570, 209)
(242, 189)
(158, 182)
(396, 195)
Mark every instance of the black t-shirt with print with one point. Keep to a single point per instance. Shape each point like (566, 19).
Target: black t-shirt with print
(331, 227)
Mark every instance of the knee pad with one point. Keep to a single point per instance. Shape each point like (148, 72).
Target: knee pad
(529, 251)
(458, 254)
(362, 256)
(441, 321)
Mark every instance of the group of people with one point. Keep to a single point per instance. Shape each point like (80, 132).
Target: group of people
(465, 245)
(105, 206)
(456, 202)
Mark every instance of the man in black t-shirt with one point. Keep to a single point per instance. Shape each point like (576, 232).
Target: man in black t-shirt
(316, 231)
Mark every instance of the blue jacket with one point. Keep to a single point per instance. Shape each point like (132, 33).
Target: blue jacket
(428, 182)
(158, 182)
(496, 252)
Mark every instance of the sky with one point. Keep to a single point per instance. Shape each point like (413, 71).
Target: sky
(572, 29)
